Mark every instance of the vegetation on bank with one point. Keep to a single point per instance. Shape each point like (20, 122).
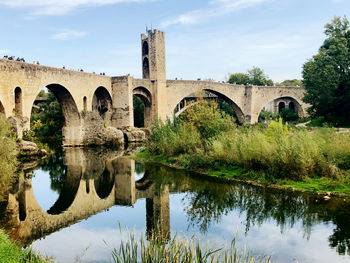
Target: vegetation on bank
(156, 250)
(205, 138)
(8, 153)
(11, 253)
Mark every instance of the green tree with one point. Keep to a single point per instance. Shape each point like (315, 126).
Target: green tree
(258, 77)
(327, 75)
(255, 76)
(47, 120)
(290, 83)
(239, 79)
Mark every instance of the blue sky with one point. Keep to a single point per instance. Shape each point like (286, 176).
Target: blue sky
(204, 38)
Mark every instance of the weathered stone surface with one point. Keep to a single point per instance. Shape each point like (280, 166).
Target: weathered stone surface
(95, 132)
(18, 124)
(27, 148)
(133, 134)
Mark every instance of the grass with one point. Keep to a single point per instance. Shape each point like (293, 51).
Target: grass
(207, 140)
(156, 250)
(11, 253)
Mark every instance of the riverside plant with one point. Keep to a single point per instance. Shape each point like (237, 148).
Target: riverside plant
(158, 250)
(284, 152)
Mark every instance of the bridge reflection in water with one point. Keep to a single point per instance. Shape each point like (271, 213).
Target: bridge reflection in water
(92, 181)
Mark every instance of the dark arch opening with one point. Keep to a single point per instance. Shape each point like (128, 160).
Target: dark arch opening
(142, 103)
(104, 184)
(18, 102)
(102, 102)
(22, 206)
(2, 109)
(286, 107)
(281, 106)
(145, 48)
(85, 103)
(68, 192)
(292, 105)
(224, 103)
(87, 182)
(145, 67)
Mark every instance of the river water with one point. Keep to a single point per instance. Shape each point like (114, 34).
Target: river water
(70, 206)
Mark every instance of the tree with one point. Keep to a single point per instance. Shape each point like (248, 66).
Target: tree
(48, 120)
(239, 79)
(258, 77)
(255, 76)
(327, 75)
(290, 83)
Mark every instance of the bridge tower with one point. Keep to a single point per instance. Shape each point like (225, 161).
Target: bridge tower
(154, 69)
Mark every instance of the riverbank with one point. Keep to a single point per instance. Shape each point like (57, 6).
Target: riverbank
(317, 185)
(11, 253)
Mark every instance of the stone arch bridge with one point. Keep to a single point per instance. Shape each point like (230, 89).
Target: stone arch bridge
(93, 103)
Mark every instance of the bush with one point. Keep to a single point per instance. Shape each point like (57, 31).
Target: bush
(8, 154)
(205, 137)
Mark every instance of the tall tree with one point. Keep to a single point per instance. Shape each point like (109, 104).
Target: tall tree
(258, 77)
(327, 75)
(239, 79)
(255, 76)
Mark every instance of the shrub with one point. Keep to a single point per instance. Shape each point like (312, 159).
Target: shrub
(8, 154)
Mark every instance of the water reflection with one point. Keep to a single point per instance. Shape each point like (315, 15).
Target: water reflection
(90, 181)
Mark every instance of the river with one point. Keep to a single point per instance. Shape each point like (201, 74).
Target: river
(70, 206)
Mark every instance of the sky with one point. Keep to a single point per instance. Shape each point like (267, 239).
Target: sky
(204, 38)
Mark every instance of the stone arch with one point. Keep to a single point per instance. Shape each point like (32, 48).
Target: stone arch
(145, 68)
(68, 105)
(145, 48)
(146, 97)
(2, 109)
(220, 96)
(286, 100)
(18, 102)
(102, 102)
(104, 184)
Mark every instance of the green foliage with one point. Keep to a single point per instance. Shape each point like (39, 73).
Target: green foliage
(139, 112)
(47, 122)
(177, 250)
(258, 77)
(290, 83)
(327, 75)
(205, 137)
(10, 253)
(207, 119)
(267, 116)
(239, 79)
(8, 153)
(255, 76)
(288, 115)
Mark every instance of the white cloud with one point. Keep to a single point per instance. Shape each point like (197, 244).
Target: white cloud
(215, 8)
(60, 7)
(68, 34)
